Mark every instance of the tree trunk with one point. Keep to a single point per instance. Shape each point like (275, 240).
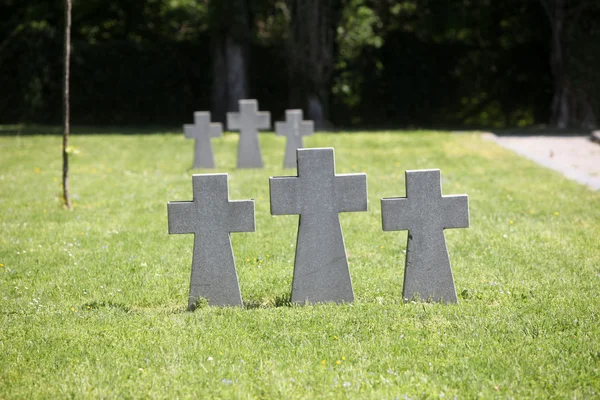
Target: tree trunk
(570, 106)
(560, 108)
(230, 53)
(237, 79)
(220, 101)
(65, 154)
(230, 79)
(316, 111)
(310, 53)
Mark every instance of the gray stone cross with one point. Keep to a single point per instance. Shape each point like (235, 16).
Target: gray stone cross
(210, 216)
(426, 213)
(321, 267)
(294, 128)
(202, 130)
(248, 121)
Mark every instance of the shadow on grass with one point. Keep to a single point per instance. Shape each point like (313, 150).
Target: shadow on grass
(50, 130)
(94, 305)
(39, 129)
(541, 131)
(35, 129)
(277, 301)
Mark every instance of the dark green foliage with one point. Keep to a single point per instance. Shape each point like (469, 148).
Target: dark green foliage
(146, 83)
(449, 62)
(409, 63)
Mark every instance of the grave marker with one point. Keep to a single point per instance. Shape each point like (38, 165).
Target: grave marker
(248, 121)
(317, 194)
(426, 213)
(293, 128)
(210, 216)
(202, 130)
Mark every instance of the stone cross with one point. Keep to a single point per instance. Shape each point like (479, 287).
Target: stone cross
(210, 216)
(248, 121)
(202, 131)
(294, 128)
(426, 213)
(321, 267)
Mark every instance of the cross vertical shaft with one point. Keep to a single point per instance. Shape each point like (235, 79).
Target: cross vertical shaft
(202, 130)
(293, 128)
(210, 216)
(425, 213)
(248, 120)
(321, 271)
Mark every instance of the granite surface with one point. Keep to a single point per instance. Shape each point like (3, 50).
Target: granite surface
(202, 130)
(248, 121)
(293, 128)
(211, 216)
(425, 213)
(317, 194)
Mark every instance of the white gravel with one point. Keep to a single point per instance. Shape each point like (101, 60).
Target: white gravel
(576, 157)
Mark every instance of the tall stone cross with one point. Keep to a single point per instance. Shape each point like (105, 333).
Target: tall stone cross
(248, 121)
(210, 216)
(294, 128)
(321, 267)
(202, 130)
(426, 213)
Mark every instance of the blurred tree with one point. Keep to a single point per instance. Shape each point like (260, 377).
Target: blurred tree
(311, 54)
(571, 103)
(453, 62)
(359, 32)
(230, 29)
(374, 62)
(30, 41)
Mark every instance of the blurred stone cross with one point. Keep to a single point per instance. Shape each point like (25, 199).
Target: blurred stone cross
(202, 130)
(317, 194)
(248, 121)
(426, 213)
(210, 216)
(293, 128)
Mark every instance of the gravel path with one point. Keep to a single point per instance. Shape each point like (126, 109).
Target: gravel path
(576, 157)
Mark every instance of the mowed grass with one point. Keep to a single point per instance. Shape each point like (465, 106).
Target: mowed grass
(93, 301)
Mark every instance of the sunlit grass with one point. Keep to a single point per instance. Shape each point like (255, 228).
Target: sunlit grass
(93, 300)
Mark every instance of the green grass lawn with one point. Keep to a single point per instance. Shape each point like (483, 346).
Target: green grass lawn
(93, 301)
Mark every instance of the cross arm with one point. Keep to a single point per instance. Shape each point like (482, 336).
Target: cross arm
(280, 128)
(233, 120)
(241, 216)
(216, 129)
(351, 192)
(188, 131)
(181, 216)
(307, 128)
(395, 214)
(264, 120)
(456, 211)
(283, 195)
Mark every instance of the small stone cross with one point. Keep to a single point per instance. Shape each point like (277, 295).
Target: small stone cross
(248, 121)
(426, 213)
(294, 128)
(321, 267)
(210, 216)
(202, 130)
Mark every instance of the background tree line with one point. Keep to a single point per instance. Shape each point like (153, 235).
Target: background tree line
(373, 63)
